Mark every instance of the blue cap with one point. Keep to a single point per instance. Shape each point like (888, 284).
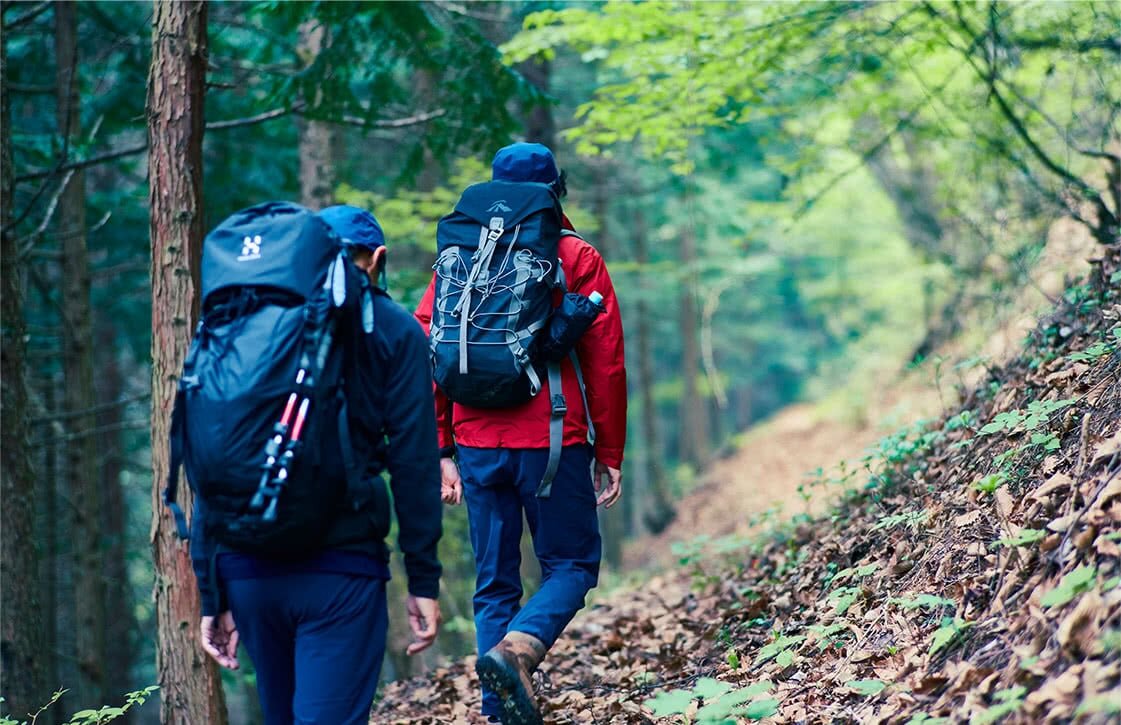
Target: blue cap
(357, 227)
(524, 162)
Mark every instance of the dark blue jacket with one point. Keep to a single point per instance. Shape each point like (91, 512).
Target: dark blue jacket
(389, 396)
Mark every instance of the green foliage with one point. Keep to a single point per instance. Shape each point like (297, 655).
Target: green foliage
(1023, 538)
(948, 634)
(843, 598)
(103, 714)
(991, 482)
(854, 572)
(720, 699)
(921, 718)
(929, 601)
(914, 519)
(1070, 586)
(780, 645)
(825, 633)
(867, 688)
(1008, 701)
(1037, 413)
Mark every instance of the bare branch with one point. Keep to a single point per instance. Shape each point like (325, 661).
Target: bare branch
(27, 17)
(26, 244)
(253, 120)
(297, 108)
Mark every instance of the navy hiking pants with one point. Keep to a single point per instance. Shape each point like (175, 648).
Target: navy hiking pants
(316, 640)
(498, 485)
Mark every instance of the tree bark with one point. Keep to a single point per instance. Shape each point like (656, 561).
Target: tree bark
(77, 355)
(658, 512)
(694, 417)
(21, 626)
(318, 141)
(190, 687)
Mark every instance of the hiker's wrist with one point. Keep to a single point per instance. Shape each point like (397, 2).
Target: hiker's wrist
(447, 452)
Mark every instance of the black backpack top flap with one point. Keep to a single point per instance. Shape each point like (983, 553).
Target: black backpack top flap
(513, 201)
(276, 244)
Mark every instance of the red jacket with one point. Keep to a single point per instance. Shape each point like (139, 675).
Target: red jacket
(600, 351)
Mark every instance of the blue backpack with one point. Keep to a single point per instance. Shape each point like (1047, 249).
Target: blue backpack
(496, 270)
(496, 336)
(261, 421)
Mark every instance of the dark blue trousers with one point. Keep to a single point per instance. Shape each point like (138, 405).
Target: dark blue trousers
(317, 642)
(500, 484)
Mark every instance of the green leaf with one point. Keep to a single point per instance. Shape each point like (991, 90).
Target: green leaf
(844, 598)
(1069, 587)
(1026, 536)
(774, 648)
(674, 702)
(923, 600)
(921, 718)
(733, 659)
(785, 658)
(947, 633)
(1009, 701)
(760, 709)
(708, 688)
(866, 687)
(725, 704)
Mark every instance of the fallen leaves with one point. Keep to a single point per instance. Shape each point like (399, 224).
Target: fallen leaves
(920, 601)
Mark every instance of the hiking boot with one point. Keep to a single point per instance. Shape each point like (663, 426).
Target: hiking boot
(506, 669)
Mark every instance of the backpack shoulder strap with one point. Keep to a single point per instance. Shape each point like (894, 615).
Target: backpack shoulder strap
(556, 422)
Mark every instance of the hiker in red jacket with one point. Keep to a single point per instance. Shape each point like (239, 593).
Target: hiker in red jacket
(495, 459)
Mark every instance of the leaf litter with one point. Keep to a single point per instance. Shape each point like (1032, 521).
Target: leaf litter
(1018, 589)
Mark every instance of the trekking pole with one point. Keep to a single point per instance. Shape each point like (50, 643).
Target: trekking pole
(272, 450)
(274, 487)
(285, 460)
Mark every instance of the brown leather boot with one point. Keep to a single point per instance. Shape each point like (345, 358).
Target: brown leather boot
(506, 669)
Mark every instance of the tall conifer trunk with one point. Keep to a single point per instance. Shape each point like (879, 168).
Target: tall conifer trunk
(191, 691)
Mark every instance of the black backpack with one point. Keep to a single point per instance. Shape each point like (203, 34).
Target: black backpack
(496, 270)
(261, 422)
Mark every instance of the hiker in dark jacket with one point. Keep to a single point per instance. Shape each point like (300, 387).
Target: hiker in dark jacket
(495, 460)
(315, 628)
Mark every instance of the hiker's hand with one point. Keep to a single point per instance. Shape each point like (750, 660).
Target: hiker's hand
(451, 485)
(219, 639)
(424, 621)
(609, 484)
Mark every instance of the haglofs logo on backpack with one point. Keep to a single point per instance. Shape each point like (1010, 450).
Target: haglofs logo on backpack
(250, 248)
(494, 291)
(265, 445)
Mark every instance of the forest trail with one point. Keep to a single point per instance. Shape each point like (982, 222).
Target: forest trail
(778, 455)
(971, 573)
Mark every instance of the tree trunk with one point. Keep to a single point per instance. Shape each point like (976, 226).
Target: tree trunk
(540, 126)
(659, 511)
(77, 355)
(21, 626)
(318, 140)
(191, 690)
(694, 417)
(118, 595)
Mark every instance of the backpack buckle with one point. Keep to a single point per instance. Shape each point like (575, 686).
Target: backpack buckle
(560, 408)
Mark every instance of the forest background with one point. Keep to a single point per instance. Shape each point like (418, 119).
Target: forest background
(795, 200)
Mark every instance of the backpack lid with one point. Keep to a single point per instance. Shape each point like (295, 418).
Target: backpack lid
(513, 201)
(276, 244)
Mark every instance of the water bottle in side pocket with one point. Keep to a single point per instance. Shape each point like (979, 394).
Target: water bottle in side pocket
(567, 325)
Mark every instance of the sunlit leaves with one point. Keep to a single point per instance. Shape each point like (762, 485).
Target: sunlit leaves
(1070, 586)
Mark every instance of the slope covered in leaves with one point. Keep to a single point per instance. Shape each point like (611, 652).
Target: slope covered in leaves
(969, 573)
